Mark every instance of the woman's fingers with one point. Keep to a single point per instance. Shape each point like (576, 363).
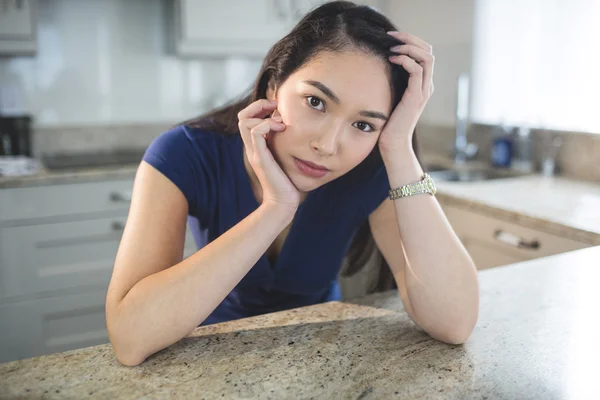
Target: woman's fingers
(424, 59)
(258, 109)
(254, 133)
(411, 39)
(259, 132)
(253, 115)
(415, 80)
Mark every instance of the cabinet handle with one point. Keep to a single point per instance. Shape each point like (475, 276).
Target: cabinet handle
(120, 197)
(514, 240)
(118, 226)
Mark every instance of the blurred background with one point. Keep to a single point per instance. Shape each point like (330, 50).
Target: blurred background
(510, 135)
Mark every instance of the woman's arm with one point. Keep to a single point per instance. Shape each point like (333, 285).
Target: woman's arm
(154, 298)
(436, 277)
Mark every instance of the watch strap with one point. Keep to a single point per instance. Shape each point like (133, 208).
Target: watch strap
(425, 185)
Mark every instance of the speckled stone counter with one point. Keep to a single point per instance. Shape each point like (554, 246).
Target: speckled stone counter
(46, 177)
(537, 337)
(556, 205)
(560, 206)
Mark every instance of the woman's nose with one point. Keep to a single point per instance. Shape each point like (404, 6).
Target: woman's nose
(328, 142)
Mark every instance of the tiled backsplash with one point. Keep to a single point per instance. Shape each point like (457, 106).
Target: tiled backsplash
(578, 158)
(101, 139)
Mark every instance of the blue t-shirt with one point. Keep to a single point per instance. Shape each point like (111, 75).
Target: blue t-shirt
(208, 168)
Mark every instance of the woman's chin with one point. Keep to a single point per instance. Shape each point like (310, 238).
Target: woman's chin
(303, 183)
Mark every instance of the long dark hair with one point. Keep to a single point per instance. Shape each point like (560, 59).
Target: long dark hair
(336, 26)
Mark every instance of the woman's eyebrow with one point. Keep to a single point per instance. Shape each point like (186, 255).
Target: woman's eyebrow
(329, 93)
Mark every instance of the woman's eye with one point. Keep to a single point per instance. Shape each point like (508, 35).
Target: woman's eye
(314, 102)
(361, 125)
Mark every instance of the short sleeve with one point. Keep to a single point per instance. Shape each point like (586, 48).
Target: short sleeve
(187, 158)
(376, 191)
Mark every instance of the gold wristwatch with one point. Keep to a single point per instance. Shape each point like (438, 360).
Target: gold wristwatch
(425, 185)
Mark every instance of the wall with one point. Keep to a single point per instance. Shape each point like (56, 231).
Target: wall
(106, 62)
(448, 27)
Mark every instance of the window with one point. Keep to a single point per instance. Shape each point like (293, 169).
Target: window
(537, 62)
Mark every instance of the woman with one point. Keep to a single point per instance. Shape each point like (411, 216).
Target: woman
(277, 185)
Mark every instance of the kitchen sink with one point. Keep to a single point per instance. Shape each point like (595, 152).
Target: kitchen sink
(462, 174)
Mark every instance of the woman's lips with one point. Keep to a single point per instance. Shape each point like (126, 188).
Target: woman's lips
(309, 170)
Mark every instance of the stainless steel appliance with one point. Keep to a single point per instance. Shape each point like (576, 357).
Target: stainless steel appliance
(15, 135)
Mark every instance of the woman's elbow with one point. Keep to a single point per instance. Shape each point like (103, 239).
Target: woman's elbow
(456, 338)
(458, 333)
(453, 331)
(125, 352)
(127, 359)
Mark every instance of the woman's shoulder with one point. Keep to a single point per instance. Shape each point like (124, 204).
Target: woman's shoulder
(184, 137)
(189, 157)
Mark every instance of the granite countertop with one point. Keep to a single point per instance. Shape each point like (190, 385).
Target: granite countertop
(537, 337)
(553, 204)
(83, 167)
(47, 177)
(561, 206)
(556, 205)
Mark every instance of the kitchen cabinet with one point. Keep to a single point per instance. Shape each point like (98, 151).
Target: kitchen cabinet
(52, 324)
(493, 242)
(57, 249)
(235, 27)
(17, 27)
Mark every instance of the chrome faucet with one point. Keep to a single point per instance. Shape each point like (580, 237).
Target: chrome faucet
(463, 150)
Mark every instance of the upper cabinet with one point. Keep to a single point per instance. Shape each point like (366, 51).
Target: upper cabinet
(236, 27)
(17, 27)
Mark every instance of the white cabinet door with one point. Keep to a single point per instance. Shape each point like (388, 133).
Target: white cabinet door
(46, 258)
(493, 242)
(237, 27)
(42, 326)
(17, 27)
(50, 257)
(228, 27)
(66, 200)
(486, 256)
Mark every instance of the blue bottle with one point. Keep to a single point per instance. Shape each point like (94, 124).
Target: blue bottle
(502, 147)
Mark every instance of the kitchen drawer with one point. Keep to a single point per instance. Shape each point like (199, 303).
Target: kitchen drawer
(486, 255)
(49, 257)
(519, 242)
(61, 200)
(55, 324)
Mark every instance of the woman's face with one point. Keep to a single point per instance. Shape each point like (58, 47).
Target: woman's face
(334, 109)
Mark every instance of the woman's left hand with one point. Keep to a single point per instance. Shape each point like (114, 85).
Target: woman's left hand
(416, 57)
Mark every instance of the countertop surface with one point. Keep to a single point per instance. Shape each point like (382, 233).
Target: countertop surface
(554, 204)
(537, 337)
(66, 176)
(557, 205)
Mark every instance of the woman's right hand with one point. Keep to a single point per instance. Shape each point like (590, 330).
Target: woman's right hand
(276, 186)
